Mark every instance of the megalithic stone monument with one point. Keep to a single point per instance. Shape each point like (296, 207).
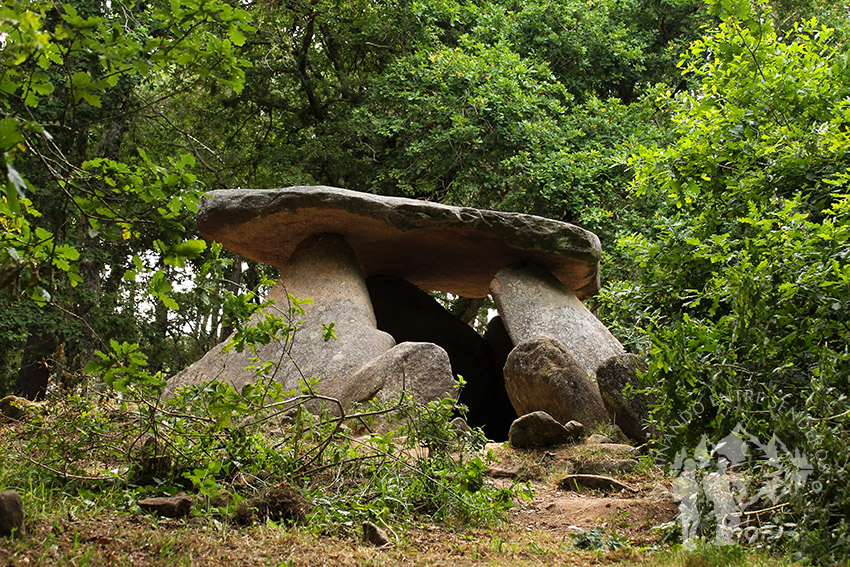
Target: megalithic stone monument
(327, 241)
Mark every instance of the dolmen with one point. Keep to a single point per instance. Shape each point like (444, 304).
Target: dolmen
(366, 263)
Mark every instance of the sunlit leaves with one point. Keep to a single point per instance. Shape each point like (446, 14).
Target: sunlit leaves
(81, 58)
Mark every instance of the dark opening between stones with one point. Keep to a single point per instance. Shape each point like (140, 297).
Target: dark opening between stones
(409, 314)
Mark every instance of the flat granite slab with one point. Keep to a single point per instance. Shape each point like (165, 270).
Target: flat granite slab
(434, 246)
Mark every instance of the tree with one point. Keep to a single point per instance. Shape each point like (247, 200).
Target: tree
(473, 103)
(744, 288)
(77, 203)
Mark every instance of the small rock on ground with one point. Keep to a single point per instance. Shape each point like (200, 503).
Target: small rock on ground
(575, 429)
(511, 470)
(375, 535)
(177, 506)
(11, 514)
(611, 449)
(595, 482)
(612, 467)
(537, 429)
(16, 408)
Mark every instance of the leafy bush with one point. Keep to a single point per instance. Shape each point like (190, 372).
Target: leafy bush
(209, 438)
(743, 292)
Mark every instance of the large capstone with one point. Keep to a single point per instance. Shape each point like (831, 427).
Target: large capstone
(434, 246)
(533, 303)
(324, 270)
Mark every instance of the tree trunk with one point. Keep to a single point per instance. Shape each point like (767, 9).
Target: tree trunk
(234, 287)
(34, 374)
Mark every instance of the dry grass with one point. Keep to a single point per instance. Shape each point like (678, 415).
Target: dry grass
(118, 540)
(144, 541)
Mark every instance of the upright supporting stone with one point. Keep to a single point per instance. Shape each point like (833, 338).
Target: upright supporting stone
(323, 269)
(533, 303)
(630, 411)
(541, 375)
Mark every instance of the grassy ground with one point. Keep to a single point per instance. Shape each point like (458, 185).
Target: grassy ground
(83, 529)
(115, 539)
(78, 524)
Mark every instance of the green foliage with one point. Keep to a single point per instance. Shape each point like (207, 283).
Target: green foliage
(595, 539)
(80, 205)
(417, 465)
(478, 105)
(744, 287)
(604, 49)
(67, 53)
(519, 113)
(206, 437)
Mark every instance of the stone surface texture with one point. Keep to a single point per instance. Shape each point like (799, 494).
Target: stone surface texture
(324, 270)
(612, 467)
(409, 314)
(576, 482)
(375, 535)
(11, 514)
(149, 461)
(541, 374)
(537, 429)
(610, 449)
(629, 411)
(533, 303)
(576, 429)
(423, 369)
(434, 246)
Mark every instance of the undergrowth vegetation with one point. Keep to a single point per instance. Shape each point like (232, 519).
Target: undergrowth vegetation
(392, 463)
(211, 440)
(742, 301)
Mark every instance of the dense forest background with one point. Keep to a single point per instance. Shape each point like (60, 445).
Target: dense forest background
(706, 143)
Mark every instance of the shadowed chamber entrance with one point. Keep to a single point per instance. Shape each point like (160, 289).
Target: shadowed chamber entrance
(409, 314)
